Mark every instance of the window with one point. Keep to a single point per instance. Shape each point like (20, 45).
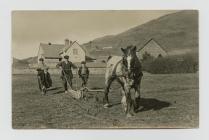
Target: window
(160, 55)
(75, 51)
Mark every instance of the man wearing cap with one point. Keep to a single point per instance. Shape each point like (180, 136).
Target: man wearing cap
(83, 73)
(66, 74)
(44, 78)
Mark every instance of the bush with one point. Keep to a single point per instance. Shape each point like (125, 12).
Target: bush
(171, 64)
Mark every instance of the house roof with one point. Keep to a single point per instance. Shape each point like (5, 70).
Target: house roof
(54, 50)
(67, 47)
(51, 50)
(141, 46)
(89, 59)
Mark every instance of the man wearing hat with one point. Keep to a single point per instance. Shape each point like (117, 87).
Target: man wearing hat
(66, 74)
(83, 73)
(44, 78)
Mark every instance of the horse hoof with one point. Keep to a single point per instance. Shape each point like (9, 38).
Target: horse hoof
(129, 115)
(106, 105)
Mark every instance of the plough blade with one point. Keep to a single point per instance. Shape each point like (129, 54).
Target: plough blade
(77, 94)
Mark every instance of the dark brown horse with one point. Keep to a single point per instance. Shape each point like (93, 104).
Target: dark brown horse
(127, 71)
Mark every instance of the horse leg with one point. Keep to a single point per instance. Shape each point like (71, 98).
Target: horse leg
(137, 95)
(127, 102)
(136, 98)
(123, 99)
(108, 83)
(130, 102)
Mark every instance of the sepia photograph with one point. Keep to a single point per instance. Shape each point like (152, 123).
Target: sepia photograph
(105, 69)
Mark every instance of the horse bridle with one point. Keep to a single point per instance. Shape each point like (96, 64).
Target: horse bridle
(125, 64)
(128, 76)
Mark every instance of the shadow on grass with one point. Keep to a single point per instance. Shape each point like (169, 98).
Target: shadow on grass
(54, 88)
(114, 104)
(59, 92)
(152, 104)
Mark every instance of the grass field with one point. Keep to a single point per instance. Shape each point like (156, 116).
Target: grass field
(168, 101)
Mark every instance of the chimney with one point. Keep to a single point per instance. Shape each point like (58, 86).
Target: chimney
(67, 42)
(71, 42)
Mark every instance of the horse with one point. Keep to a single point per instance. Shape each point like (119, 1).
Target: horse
(127, 70)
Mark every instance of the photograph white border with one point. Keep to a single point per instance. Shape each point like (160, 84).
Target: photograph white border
(6, 131)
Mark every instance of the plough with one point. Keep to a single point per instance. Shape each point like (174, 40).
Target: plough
(77, 94)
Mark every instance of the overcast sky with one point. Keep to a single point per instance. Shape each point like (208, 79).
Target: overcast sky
(29, 28)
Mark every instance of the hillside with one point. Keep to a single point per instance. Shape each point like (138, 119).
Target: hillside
(31, 60)
(177, 32)
(19, 63)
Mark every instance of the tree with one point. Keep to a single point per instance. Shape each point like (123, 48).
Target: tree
(146, 56)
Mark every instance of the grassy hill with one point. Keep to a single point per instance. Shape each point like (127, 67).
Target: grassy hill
(31, 60)
(175, 32)
(19, 63)
(23, 63)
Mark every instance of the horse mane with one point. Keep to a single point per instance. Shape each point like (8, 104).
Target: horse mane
(129, 47)
(109, 57)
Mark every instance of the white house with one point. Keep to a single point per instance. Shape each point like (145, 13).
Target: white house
(75, 52)
(152, 48)
(52, 53)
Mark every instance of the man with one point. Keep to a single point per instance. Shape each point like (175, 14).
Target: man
(83, 73)
(44, 78)
(66, 74)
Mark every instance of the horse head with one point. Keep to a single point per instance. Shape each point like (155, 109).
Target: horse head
(129, 57)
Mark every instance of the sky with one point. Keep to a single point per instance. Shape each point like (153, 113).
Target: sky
(30, 28)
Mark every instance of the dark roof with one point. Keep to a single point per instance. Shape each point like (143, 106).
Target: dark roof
(51, 51)
(89, 59)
